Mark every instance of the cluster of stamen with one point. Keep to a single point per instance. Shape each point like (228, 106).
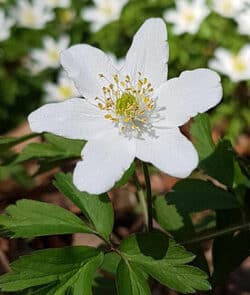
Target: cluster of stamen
(125, 103)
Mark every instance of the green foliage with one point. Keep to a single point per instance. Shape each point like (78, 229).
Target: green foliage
(56, 270)
(56, 148)
(220, 164)
(29, 219)
(167, 215)
(162, 259)
(131, 280)
(202, 135)
(192, 195)
(98, 209)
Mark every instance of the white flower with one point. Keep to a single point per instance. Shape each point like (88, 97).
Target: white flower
(57, 3)
(228, 8)
(49, 56)
(235, 66)
(33, 15)
(243, 20)
(62, 90)
(188, 16)
(5, 24)
(104, 12)
(130, 113)
(117, 62)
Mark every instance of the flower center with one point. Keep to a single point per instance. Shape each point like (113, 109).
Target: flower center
(54, 55)
(29, 16)
(239, 64)
(188, 16)
(129, 105)
(227, 6)
(65, 91)
(107, 10)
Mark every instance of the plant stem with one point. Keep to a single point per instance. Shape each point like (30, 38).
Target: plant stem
(217, 234)
(141, 198)
(149, 196)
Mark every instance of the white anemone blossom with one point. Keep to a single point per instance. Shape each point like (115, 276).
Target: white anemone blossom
(57, 3)
(188, 16)
(243, 21)
(131, 113)
(5, 24)
(228, 8)
(117, 62)
(33, 15)
(62, 90)
(103, 12)
(49, 55)
(235, 66)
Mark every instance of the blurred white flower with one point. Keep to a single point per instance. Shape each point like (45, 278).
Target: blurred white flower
(33, 15)
(49, 55)
(188, 16)
(243, 21)
(129, 113)
(63, 89)
(57, 3)
(228, 8)
(104, 12)
(5, 26)
(235, 66)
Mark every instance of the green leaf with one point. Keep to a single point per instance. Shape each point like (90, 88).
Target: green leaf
(131, 280)
(68, 268)
(110, 262)
(220, 164)
(201, 133)
(74, 146)
(30, 218)
(167, 215)
(126, 176)
(56, 148)
(98, 209)
(165, 261)
(8, 142)
(192, 195)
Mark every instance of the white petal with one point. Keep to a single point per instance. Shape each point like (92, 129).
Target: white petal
(192, 93)
(74, 118)
(105, 160)
(84, 65)
(149, 53)
(171, 152)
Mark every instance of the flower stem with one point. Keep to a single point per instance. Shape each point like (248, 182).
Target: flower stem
(219, 233)
(149, 196)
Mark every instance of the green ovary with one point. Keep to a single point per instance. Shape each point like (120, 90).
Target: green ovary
(126, 104)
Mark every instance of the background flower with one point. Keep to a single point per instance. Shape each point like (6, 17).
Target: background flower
(63, 89)
(57, 3)
(33, 15)
(5, 24)
(188, 16)
(103, 12)
(49, 56)
(236, 66)
(228, 8)
(243, 20)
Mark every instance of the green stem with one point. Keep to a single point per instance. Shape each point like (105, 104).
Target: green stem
(149, 196)
(217, 234)
(141, 198)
